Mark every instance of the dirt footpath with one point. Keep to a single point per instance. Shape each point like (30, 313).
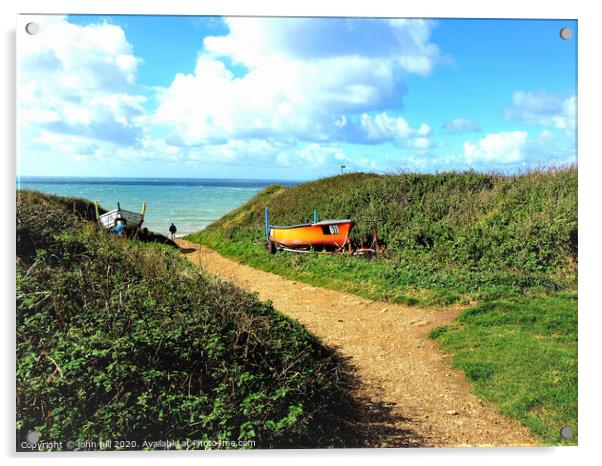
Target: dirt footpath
(411, 394)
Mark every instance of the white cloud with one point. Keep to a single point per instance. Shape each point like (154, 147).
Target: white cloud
(569, 114)
(382, 127)
(302, 77)
(544, 109)
(421, 143)
(515, 149)
(78, 80)
(89, 58)
(503, 148)
(255, 42)
(240, 153)
(65, 144)
(307, 84)
(375, 129)
(312, 155)
(424, 130)
(460, 125)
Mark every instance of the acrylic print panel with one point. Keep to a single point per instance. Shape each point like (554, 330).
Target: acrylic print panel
(401, 194)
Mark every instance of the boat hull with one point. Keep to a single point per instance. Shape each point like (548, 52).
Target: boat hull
(109, 220)
(328, 235)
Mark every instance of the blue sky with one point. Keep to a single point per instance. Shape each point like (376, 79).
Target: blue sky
(293, 98)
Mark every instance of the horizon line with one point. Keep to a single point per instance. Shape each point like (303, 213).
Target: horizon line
(155, 178)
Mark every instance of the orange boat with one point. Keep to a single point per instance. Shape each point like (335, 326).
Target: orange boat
(324, 235)
(327, 234)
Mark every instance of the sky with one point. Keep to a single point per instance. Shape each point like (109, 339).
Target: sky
(293, 98)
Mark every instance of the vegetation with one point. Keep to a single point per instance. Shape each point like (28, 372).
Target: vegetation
(522, 355)
(122, 340)
(452, 237)
(507, 243)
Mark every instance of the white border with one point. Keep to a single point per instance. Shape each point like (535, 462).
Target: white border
(590, 157)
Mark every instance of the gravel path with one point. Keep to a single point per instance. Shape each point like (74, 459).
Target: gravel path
(411, 396)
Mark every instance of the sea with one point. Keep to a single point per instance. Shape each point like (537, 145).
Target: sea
(191, 204)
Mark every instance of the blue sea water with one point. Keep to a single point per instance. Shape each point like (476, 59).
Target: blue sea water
(191, 204)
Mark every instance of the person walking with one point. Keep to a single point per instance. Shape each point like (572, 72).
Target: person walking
(172, 231)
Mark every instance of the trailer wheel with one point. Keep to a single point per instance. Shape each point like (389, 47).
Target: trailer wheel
(270, 247)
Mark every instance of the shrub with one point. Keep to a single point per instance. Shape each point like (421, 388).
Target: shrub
(117, 339)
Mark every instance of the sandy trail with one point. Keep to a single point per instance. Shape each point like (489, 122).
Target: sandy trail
(411, 394)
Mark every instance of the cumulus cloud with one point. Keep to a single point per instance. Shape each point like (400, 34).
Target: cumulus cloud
(515, 149)
(504, 147)
(270, 92)
(460, 125)
(544, 109)
(376, 129)
(383, 127)
(255, 41)
(306, 85)
(78, 80)
(421, 143)
(303, 78)
(312, 155)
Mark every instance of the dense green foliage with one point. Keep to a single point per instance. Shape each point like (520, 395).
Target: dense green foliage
(522, 354)
(67, 210)
(451, 237)
(506, 242)
(122, 340)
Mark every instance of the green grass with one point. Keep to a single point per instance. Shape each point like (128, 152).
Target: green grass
(415, 283)
(120, 339)
(507, 242)
(522, 355)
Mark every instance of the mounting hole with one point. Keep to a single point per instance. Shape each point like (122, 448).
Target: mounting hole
(33, 436)
(566, 33)
(566, 432)
(32, 28)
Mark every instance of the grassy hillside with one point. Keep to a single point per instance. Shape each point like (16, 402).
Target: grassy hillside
(507, 242)
(452, 237)
(118, 339)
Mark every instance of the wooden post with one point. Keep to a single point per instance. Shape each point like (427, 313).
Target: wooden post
(267, 225)
(96, 209)
(141, 221)
(375, 239)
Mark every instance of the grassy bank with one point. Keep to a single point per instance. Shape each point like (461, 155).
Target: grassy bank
(120, 339)
(451, 238)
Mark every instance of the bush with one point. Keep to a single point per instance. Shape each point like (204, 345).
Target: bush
(117, 339)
